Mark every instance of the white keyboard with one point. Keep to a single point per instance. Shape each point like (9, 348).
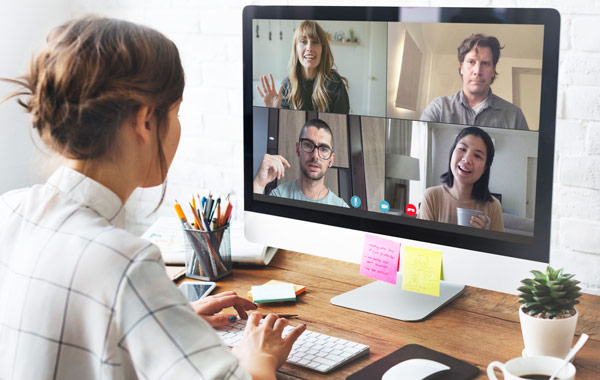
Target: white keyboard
(319, 352)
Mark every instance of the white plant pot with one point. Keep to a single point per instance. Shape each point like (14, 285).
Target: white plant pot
(547, 337)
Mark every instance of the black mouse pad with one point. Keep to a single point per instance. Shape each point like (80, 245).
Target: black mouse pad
(459, 370)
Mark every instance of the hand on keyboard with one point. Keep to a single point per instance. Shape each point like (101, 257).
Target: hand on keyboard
(262, 347)
(320, 352)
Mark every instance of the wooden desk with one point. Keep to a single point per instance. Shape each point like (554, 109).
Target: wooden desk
(479, 327)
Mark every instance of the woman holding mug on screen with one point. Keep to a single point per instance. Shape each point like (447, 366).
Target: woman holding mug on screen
(313, 84)
(465, 184)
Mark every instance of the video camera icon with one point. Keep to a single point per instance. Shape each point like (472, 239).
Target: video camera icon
(384, 206)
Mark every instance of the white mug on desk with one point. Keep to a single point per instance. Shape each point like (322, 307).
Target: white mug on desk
(463, 216)
(533, 367)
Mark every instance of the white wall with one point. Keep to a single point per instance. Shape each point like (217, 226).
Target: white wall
(209, 37)
(21, 164)
(396, 36)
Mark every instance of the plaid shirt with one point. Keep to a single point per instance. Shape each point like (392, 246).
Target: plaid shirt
(80, 298)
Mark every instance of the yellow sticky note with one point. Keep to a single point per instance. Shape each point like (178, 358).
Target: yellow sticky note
(422, 270)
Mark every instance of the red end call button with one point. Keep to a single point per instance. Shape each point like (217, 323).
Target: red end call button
(410, 209)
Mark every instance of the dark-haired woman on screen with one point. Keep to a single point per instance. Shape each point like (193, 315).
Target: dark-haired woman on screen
(465, 184)
(313, 84)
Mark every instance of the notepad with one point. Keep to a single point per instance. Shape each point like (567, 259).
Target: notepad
(273, 293)
(422, 270)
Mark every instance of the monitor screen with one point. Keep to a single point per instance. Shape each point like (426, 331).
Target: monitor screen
(431, 124)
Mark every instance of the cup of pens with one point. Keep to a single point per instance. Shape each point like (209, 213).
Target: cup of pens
(207, 242)
(207, 253)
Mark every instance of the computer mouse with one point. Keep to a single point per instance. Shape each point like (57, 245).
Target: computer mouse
(414, 369)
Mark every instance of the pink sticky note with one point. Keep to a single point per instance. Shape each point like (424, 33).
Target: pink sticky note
(380, 259)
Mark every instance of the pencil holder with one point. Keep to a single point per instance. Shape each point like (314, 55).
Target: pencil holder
(207, 253)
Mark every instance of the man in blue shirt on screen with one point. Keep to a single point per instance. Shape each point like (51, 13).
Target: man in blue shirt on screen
(474, 103)
(315, 153)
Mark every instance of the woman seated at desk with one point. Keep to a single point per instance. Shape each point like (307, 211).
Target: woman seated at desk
(82, 298)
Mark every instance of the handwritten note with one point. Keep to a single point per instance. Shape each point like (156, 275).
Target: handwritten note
(422, 270)
(380, 259)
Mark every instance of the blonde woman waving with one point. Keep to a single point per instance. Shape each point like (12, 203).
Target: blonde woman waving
(313, 84)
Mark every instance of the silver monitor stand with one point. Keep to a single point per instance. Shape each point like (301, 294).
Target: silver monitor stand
(391, 301)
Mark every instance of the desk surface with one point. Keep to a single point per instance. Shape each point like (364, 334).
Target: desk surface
(478, 327)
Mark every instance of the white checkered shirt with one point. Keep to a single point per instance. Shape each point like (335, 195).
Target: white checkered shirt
(80, 298)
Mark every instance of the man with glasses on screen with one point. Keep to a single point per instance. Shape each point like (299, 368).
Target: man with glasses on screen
(315, 153)
(474, 103)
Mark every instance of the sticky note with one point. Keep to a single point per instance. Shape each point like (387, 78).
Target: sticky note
(273, 293)
(380, 259)
(422, 270)
(298, 289)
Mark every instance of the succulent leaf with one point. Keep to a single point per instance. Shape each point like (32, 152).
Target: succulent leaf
(550, 292)
(538, 275)
(527, 282)
(557, 294)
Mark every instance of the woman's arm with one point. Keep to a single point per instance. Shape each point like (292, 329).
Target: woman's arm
(496, 218)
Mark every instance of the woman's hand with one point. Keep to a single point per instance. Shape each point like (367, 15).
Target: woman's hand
(262, 349)
(270, 97)
(479, 221)
(209, 308)
(272, 167)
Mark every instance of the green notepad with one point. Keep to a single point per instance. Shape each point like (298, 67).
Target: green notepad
(273, 293)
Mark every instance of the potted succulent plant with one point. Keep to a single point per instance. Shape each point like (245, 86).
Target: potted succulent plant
(548, 315)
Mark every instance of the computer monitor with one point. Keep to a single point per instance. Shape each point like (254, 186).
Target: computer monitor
(418, 104)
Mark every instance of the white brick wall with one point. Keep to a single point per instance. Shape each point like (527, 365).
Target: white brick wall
(210, 155)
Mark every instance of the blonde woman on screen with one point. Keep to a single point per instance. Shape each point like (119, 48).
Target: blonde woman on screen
(81, 297)
(313, 84)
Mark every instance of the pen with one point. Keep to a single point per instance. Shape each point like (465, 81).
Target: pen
(281, 315)
(194, 211)
(196, 220)
(205, 221)
(219, 213)
(227, 212)
(181, 215)
(212, 211)
(209, 205)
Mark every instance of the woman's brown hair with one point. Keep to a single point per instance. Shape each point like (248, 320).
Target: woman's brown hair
(320, 97)
(94, 73)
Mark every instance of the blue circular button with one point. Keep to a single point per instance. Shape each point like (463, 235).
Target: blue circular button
(384, 206)
(355, 201)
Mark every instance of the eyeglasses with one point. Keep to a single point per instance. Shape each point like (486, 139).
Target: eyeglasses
(323, 150)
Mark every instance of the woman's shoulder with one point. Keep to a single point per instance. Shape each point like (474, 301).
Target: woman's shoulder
(435, 191)
(495, 204)
(334, 78)
(127, 245)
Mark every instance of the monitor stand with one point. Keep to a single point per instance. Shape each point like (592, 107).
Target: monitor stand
(391, 301)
